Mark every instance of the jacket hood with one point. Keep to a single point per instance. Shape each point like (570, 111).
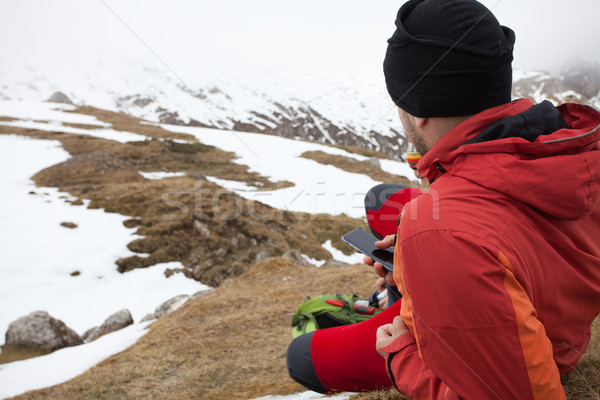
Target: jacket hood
(544, 156)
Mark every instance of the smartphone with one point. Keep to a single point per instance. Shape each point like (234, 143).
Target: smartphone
(364, 242)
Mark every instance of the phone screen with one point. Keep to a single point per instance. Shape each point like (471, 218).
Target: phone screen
(365, 243)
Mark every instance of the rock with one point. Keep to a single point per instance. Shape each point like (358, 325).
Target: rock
(168, 272)
(91, 334)
(70, 225)
(374, 161)
(202, 229)
(75, 273)
(41, 331)
(221, 252)
(199, 293)
(167, 307)
(252, 242)
(118, 320)
(59, 97)
(335, 263)
(171, 305)
(197, 176)
(262, 256)
(295, 256)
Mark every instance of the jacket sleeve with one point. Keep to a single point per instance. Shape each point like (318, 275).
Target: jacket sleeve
(474, 330)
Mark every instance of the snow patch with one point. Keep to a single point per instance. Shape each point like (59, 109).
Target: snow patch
(161, 175)
(39, 254)
(317, 188)
(64, 364)
(232, 185)
(103, 133)
(352, 259)
(306, 396)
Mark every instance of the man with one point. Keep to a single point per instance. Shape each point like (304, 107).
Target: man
(499, 262)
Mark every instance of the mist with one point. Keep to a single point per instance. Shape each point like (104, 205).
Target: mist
(311, 36)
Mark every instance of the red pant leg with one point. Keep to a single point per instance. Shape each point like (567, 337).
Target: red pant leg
(345, 358)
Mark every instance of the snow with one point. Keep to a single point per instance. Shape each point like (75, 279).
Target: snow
(36, 373)
(521, 74)
(109, 134)
(38, 111)
(161, 174)
(317, 188)
(352, 259)
(313, 261)
(38, 256)
(306, 396)
(231, 185)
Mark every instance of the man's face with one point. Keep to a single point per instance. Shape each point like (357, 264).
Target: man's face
(411, 132)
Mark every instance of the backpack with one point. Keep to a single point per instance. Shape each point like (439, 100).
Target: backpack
(331, 310)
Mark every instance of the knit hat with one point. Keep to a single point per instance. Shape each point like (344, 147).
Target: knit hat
(448, 58)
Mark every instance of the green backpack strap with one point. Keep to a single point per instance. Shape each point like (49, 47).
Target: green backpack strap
(308, 316)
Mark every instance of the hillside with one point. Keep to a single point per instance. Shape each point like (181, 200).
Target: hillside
(213, 348)
(350, 108)
(230, 343)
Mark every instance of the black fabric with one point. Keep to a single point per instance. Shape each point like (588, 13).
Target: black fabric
(540, 119)
(300, 365)
(448, 58)
(393, 294)
(325, 321)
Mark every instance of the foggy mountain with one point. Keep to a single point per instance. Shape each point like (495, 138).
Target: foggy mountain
(345, 110)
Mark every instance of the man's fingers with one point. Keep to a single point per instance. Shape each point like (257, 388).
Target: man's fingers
(386, 242)
(379, 270)
(368, 260)
(383, 337)
(398, 326)
(384, 330)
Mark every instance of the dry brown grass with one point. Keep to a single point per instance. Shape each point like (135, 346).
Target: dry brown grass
(15, 353)
(231, 343)
(227, 344)
(361, 151)
(583, 383)
(359, 167)
(124, 122)
(106, 172)
(390, 394)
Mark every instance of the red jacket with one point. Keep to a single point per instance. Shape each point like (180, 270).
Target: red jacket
(499, 262)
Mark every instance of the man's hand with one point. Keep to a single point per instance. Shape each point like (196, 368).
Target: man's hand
(380, 287)
(386, 334)
(387, 241)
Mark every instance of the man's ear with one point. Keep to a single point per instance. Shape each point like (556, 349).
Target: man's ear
(420, 122)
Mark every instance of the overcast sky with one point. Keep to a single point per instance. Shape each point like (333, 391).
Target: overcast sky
(309, 34)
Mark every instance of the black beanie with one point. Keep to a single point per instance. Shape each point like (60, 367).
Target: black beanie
(448, 58)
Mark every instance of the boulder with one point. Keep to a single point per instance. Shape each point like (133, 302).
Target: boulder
(91, 334)
(59, 97)
(262, 256)
(335, 263)
(221, 253)
(202, 229)
(374, 161)
(118, 320)
(167, 307)
(295, 256)
(41, 331)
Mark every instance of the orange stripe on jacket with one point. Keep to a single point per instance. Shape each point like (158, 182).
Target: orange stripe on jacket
(537, 348)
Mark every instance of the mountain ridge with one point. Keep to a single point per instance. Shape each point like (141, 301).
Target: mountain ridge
(344, 110)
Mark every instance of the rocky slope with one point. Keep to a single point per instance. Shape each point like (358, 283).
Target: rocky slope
(345, 109)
